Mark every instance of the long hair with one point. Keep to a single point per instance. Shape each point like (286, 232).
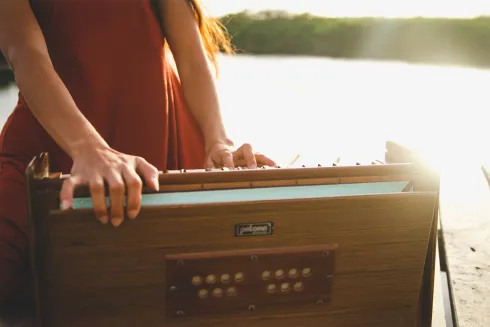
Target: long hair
(213, 33)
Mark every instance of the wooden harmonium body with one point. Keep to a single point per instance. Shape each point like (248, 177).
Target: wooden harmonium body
(335, 246)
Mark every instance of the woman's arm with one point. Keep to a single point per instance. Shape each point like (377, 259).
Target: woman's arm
(94, 162)
(194, 67)
(24, 47)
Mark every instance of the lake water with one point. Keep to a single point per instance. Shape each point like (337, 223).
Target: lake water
(326, 108)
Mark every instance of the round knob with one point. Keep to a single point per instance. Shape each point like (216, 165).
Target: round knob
(231, 291)
(298, 287)
(306, 272)
(293, 273)
(271, 288)
(266, 275)
(225, 278)
(280, 274)
(217, 292)
(197, 280)
(285, 287)
(202, 294)
(211, 279)
(239, 277)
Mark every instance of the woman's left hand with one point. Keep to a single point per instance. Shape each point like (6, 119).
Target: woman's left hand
(222, 155)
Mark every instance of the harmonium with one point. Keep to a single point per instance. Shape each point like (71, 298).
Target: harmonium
(330, 245)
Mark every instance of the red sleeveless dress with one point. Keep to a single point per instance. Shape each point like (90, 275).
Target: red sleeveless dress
(110, 55)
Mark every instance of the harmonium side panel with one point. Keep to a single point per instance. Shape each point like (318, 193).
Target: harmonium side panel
(326, 261)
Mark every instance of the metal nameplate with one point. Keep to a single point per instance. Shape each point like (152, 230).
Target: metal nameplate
(254, 229)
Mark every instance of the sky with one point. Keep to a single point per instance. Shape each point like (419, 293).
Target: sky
(346, 8)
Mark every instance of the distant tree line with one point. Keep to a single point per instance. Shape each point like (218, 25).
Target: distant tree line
(427, 40)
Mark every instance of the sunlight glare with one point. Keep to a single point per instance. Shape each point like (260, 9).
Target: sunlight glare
(323, 109)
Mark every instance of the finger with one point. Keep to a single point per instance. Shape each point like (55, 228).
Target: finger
(209, 164)
(227, 160)
(248, 155)
(67, 191)
(97, 193)
(149, 173)
(239, 162)
(134, 187)
(264, 160)
(116, 196)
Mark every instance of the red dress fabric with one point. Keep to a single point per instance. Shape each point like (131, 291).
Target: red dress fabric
(110, 55)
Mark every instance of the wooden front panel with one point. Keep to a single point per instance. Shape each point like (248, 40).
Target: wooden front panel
(95, 275)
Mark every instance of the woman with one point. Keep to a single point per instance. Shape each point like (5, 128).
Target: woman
(99, 93)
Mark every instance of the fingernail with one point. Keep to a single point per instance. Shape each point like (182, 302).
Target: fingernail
(65, 205)
(132, 214)
(104, 219)
(156, 183)
(116, 222)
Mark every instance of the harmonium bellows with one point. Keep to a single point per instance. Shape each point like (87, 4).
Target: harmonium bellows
(333, 245)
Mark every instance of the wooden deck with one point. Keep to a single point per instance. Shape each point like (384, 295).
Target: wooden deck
(438, 310)
(465, 223)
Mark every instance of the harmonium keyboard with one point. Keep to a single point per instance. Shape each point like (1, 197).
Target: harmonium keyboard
(333, 245)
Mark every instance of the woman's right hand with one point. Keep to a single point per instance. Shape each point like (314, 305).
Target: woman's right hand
(94, 166)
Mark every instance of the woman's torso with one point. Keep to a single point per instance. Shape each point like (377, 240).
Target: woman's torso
(109, 54)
